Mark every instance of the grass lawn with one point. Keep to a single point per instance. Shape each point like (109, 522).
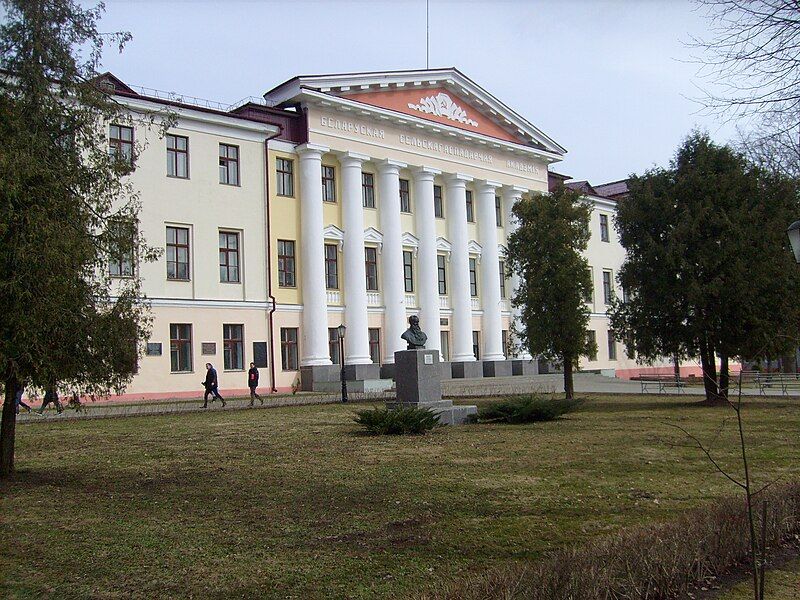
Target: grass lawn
(780, 584)
(295, 503)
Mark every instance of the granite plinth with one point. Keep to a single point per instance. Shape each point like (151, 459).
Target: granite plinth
(387, 371)
(418, 376)
(447, 370)
(467, 370)
(311, 377)
(361, 372)
(497, 368)
(524, 367)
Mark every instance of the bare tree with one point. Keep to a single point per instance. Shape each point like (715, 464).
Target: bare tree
(752, 58)
(774, 144)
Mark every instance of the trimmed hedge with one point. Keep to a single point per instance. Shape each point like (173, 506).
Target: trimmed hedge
(397, 421)
(662, 562)
(527, 409)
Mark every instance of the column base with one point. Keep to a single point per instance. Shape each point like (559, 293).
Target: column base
(312, 376)
(466, 370)
(312, 361)
(497, 368)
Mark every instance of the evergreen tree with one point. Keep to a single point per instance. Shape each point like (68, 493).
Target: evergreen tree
(708, 271)
(66, 209)
(546, 251)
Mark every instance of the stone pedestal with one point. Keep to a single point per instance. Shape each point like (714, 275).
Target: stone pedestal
(497, 368)
(524, 367)
(467, 370)
(418, 382)
(361, 372)
(312, 377)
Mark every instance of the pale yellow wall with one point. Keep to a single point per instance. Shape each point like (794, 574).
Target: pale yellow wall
(284, 225)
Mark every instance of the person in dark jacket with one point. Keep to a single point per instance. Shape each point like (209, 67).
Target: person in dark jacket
(252, 383)
(211, 384)
(51, 396)
(18, 398)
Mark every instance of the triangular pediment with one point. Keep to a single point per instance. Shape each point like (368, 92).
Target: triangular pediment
(440, 105)
(442, 97)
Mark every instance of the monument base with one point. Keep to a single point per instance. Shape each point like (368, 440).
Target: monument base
(467, 370)
(497, 368)
(418, 381)
(524, 367)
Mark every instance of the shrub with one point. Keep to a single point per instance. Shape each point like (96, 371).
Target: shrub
(659, 562)
(527, 409)
(397, 421)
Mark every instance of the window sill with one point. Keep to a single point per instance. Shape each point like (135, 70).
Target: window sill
(232, 282)
(233, 370)
(231, 184)
(181, 372)
(287, 287)
(176, 177)
(120, 276)
(285, 196)
(178, 280)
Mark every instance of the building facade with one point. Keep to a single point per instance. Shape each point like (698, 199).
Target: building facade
(355, 199)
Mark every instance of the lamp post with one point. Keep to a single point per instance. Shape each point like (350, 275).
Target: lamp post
(341, 330)
(794, 239)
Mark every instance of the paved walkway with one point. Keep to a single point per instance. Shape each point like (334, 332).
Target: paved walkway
(453, 389)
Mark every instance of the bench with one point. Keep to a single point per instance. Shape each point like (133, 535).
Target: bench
(768, 381)
(660, 382)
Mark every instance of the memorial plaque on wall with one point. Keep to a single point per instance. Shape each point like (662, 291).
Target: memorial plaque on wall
(153, 349)
(208, 348)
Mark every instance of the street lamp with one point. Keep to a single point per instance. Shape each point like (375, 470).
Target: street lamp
(794, 238)
(341, 330)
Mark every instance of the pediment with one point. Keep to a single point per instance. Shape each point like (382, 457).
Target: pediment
(437, 104)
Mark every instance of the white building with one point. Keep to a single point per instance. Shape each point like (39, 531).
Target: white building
(358, 199)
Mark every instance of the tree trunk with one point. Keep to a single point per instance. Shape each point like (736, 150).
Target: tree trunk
(569, 389)
(676, 366)
(724, 376)
(7, 428)
(709, 365)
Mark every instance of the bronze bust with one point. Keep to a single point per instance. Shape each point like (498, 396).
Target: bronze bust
(415, 337)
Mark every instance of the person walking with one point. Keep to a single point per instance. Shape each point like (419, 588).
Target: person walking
(252, 382)
(18, 398)
(51, 396)
(212, 386)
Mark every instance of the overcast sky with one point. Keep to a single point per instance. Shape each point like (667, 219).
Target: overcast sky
(609, 81)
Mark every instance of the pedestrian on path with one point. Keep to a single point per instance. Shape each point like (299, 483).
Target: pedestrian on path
(212, 386)
(252, 382)
(51, 396)
(18, 398)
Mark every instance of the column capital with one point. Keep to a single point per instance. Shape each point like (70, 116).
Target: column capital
(390, 166)
(425, 173)
(347, 158)
(484, 185)
(513, 192)
(310, 149)
(457, 177)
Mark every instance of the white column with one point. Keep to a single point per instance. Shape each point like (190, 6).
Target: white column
(427, 272)
(511, 195)
(355, 273)
(460, 298)
(314, 332)
(492, 324)
(394, 297)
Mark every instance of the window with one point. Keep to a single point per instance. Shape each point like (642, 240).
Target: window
(592, 337)
(328, 184)
(286, 265)
(612, 346)
(228, 257)
(371, 260)
(120, 248)
(473, 277)
(624, 294)
(438, 203)
(405, 197)
(502, 279)
(368, 190)
(604, 228)
(444, 339)
(233, 347)
(180, 347)
(504, 339)
(333, 345)
(178, 156)
(331, 267)
(589, 297)
(289, 348)
(284, 170)
(470, 208)
(375, 345)
(408, 271)
(120, 143)
(476, 344)
(442, 272)
(228, 164)
(498, 211)
(608, 291)
(178, 253)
